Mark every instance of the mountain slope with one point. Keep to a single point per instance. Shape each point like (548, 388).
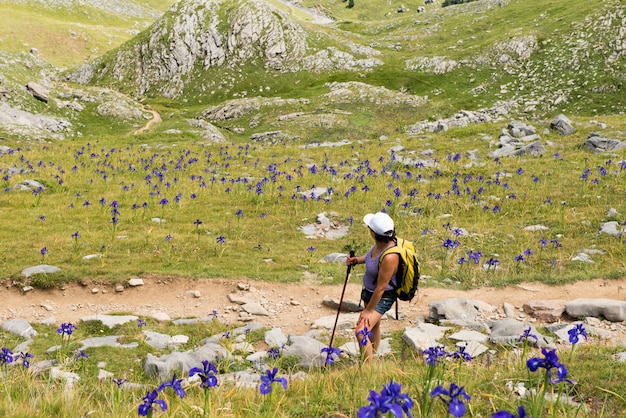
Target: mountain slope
(197, 36)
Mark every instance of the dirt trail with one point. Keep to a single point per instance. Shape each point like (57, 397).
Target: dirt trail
(156, 119)
(293, 307)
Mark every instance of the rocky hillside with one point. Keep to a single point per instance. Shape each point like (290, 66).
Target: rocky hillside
(195, 36)
(242, 63)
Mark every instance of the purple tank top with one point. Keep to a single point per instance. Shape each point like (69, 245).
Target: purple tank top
(371, 273)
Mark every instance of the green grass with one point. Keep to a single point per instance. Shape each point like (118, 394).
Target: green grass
(342, 388)
(249, 208)
(67, 37)
(262, 182)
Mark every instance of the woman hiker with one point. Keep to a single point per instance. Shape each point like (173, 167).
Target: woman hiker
(378, 293)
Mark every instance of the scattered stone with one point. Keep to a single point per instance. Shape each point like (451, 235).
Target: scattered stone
(193, 293)
(275, 338)
(107, 341)
(534, 228)
(612, 213)
(70, 378)
(545, 310)
(324, 228)
(135, 281)
(308, 350)
(346, 305)
(456, 309)
(508, 332)
(19, 327)
(92, 256)
(336, 258)
(598, 144)
(255, 308)
(612, 310)
(239, 298)
(584, 257)
(613, 229)
(468, 335)
(160, 316)
(562, 124)
(345, 321)
(423, 336)
(40, 269)
(110, 321)
(38, 91)
(516, 140)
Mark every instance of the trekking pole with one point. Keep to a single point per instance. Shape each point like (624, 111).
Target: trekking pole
(332, 336)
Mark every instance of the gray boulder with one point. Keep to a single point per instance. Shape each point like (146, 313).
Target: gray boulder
(508, 332)
(423, 336)
(598, 144)
(19, 327)
(545, 310)
(42, 268)
(308, 351)
(612, 310)
(612, 228)
(110, 321)
(562, 124)
(38, 91)
(457, 309)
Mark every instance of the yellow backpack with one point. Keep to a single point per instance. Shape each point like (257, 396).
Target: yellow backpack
(408, 273)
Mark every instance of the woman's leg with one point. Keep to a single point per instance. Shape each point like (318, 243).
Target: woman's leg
(371, 345)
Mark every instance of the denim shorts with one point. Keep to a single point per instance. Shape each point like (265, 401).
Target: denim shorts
(384, 304)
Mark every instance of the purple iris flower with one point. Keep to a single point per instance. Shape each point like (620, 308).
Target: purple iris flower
(176, 386)
(452, 398)
(270, 377)
(575, 332)
(432, 354)
(548, 362)
(390, 399)
(331, 352)
(521, 413)
(364, 335)
(207, 374)
(150, 402)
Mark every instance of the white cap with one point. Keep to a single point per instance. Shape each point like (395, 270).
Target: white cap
(380, 223)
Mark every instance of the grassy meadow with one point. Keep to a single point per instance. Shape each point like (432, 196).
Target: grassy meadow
(181, 207)
(168, 202)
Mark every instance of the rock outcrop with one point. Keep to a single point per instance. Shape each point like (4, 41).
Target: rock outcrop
(195, 36)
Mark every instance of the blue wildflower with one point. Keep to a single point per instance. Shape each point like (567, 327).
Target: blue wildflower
(273, 353)
(390, 399)
(6, 356)
(526, 335)
(432, 354)
(270, 377)
(66, 329)
(25, 359)
(451, 397)
(364, 335)
(176, 386)
(331, 352)
(548, 362)
(521, 413)
(150, 402)
(206, 373)
(461, 354)
(575, 332)
(118, 382)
